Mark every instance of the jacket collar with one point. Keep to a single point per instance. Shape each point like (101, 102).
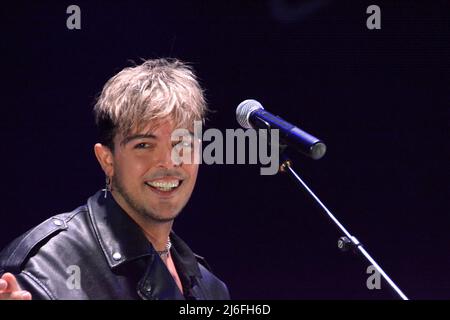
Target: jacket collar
(184, 257)
(122, 240)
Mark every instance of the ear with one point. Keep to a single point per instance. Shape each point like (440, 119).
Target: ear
(105, 158)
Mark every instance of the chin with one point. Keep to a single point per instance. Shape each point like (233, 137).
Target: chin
(164, 216)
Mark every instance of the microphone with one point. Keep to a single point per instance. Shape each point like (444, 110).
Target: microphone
(251, 114)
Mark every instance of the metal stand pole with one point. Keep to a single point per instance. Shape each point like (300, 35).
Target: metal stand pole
(347, 241)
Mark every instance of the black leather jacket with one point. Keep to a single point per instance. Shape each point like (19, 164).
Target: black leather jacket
(98, 252)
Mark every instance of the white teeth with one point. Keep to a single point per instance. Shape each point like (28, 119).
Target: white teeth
(164, 185)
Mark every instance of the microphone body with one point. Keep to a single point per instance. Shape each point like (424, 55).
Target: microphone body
(251, 114)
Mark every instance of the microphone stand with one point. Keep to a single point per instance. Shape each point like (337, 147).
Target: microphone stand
(347, 241)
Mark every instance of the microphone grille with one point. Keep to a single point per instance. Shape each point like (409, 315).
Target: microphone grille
(243, 111)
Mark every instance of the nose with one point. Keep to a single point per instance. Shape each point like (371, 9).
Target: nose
(163, 157)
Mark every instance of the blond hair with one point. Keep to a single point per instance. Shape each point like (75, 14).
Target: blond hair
(155, 90)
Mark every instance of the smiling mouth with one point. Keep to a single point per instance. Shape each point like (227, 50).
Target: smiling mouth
(164, 186)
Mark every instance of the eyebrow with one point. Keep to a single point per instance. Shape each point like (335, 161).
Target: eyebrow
(145, 136)
(138, 136)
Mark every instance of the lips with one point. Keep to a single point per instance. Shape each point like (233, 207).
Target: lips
(166, 186)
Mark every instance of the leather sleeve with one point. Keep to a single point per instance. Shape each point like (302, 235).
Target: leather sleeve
(31, 284)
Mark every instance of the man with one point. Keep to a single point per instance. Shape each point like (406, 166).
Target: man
(120, 245)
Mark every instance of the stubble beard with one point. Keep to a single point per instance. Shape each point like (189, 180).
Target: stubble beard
(136, 206)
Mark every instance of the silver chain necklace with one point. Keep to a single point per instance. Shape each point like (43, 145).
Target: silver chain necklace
(165, 253)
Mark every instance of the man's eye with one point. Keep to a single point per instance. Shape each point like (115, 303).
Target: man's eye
(185, 144)
(142, 145)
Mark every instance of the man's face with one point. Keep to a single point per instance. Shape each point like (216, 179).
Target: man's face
(145, 181)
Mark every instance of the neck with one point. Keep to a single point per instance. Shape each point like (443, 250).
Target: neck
(158, 235)
(155, 231)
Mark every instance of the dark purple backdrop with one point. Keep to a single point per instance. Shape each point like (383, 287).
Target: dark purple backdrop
(378, 98)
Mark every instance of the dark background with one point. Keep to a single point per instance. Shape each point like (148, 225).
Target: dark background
(378, 98)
